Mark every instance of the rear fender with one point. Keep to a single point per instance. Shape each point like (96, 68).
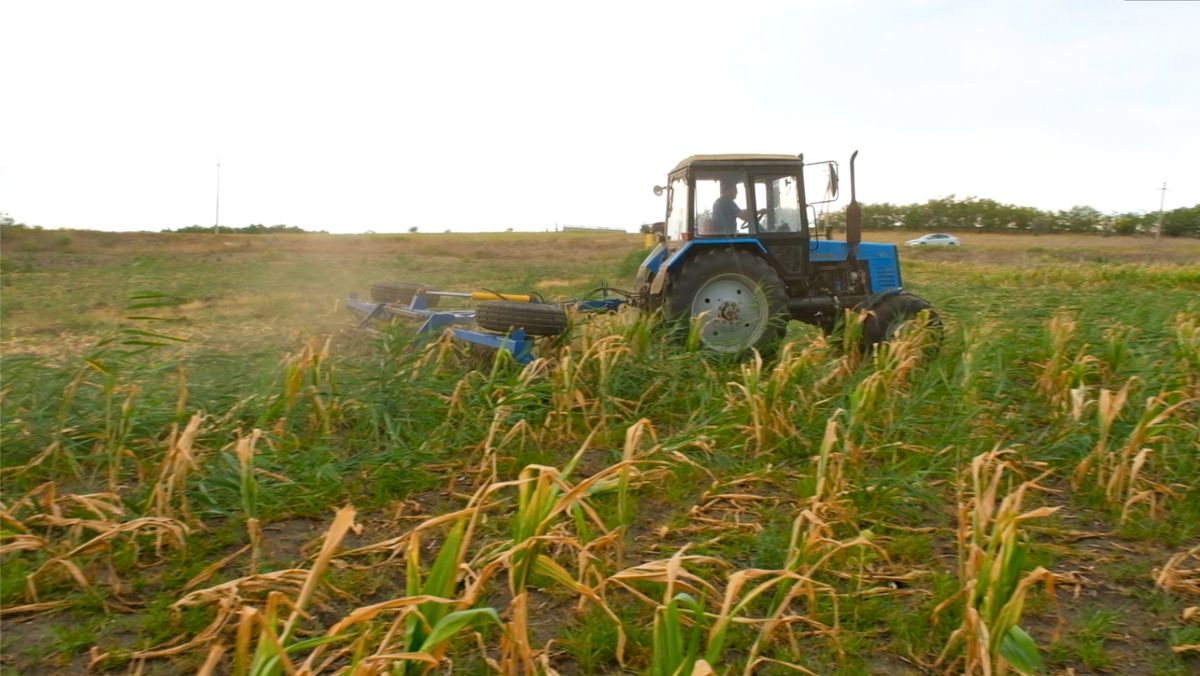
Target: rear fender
(695, 247)
(675, 262)
(650, 266)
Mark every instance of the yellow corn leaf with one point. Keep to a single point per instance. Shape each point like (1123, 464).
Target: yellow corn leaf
(342, 522)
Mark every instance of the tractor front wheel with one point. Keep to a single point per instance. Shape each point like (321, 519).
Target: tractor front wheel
(737, 298)
(894, 315)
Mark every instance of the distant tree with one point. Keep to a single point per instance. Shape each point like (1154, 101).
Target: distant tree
(252, 229)
(412, 229)
(951, 213)
(1080, 219)
(882, 216)
(8, 226)
(1127, 224)
(1182, 222)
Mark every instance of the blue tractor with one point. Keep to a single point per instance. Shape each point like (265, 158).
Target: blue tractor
(739, 254)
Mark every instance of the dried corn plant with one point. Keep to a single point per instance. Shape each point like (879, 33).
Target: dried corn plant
(813, 539)
(992, 572)
(847, 341)
(581, 387)
(79, 536)
(168, 495)
(308, 378)
(1117, 339)
(551, 516)
(267, 637)
(244, 451)
(727, 509)
(689, 638)
(1120, 471)
(872, 402)
(1067, 369)
(770, 400)
(971, 371)
(1181, 573)
(1186, 327)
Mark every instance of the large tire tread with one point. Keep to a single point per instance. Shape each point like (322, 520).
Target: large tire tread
(401, 292)
(536, 319)
(883, 320)
(696, 272)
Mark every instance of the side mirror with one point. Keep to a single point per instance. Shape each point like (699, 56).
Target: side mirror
(658, 191)
(832, 186)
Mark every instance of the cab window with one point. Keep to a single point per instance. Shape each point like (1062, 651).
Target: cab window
(677, 203)
(721, 204)
(778, 198)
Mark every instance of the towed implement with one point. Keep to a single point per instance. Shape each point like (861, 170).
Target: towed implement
(500, 321)
(736, 259)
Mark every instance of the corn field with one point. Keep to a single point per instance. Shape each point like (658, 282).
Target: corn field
(1018, 495)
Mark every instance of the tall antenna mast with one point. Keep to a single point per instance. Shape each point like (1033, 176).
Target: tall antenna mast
(217, 218)
(1161, 202)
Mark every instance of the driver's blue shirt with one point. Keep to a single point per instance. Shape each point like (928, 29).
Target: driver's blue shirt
(725, 212)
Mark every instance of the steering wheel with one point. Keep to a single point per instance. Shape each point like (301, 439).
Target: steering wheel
(758, 218)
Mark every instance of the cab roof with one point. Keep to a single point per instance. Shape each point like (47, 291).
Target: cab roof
(736, 158)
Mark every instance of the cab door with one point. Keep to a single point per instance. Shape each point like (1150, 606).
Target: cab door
(775, 201)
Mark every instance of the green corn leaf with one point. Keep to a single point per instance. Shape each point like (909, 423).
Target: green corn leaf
(658, 656)
(456, 621)
(672, 642)
(548, 567)
(581, 524)
(149, 299)
(1020, 651)
(272, 665)
(443, 574)
(697, 610)
(154, 318)
(440, 581)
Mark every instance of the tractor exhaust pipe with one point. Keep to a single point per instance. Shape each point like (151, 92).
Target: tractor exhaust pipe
(853, 214)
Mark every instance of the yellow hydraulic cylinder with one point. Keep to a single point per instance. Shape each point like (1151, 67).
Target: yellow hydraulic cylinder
(489, 295)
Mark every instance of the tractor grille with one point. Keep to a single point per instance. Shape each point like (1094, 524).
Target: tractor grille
(884, 275)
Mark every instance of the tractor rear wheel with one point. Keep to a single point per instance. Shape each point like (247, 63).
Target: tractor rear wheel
(401, 292)
(739, 299)
(894, 315)
(536, 319)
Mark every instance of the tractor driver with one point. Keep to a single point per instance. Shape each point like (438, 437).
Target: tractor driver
(725, 211)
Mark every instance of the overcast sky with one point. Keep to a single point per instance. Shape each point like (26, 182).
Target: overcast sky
(351, 116)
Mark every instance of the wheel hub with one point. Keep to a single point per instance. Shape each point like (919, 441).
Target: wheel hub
(732, 311)
(729, 311)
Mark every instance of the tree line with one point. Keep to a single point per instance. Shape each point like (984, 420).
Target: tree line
(252, 229)
(985, 215)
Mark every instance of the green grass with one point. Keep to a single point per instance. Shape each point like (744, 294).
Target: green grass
(405, 434)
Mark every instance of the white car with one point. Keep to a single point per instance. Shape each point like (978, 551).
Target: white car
(936, 239)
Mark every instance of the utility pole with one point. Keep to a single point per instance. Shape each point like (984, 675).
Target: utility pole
(1161, 202)
(217, 219)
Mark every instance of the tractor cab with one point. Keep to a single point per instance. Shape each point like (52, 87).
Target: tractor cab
(737, 254)
(735, 195)
(738, 200)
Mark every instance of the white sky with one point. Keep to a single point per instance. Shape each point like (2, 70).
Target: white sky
(351, 116)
